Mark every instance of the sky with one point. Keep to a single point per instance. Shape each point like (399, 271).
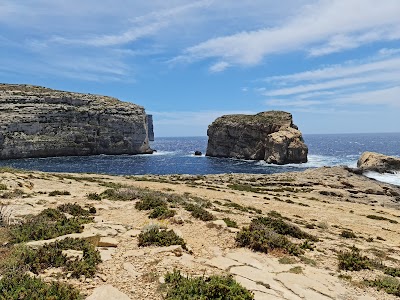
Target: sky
(333, 64)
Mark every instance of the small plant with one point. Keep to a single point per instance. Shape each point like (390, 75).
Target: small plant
(213, 287)
(353, 260)
(73, 209)
(296, 270)
(287, 260)
(348, 234)
(395, 272)
(374, 217)
(148, 203)
(3, 187)
(93, 196)
(59, 193)
(159, 237)
(230, 223)
(16, 286)
(92, 210)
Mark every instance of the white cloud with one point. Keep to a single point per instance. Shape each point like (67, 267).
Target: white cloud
(219, 67)
(325, 27)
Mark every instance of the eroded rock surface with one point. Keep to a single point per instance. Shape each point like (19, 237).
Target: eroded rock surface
(40, 122)
(269, 136)
(372, 161)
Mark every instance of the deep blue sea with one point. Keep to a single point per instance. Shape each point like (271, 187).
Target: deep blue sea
(175, 156)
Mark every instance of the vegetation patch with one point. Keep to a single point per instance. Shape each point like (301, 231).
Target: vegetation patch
(16, 286)
(50, 223)
(389, 284)
(198, 288)
(73, 209)
(374, 217)
(348, 234)
(93, 196)
(3, 187)
(230, 223)
(154, 235)
(199, 212)
(244, 188)
(242, 208)
(162, 212)
(395, 272)
(59, 193)
(353, 260)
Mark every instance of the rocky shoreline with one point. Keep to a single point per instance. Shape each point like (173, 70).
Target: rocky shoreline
(338, 207)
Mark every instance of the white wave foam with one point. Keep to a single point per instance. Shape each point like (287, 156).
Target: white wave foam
(385, 177)
(317, 161)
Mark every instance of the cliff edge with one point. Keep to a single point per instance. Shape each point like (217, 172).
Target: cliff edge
(269, 136)
(41, 122)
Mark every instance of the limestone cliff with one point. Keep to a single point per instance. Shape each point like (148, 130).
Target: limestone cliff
(269, 136)
(371, 161)
(40, 122)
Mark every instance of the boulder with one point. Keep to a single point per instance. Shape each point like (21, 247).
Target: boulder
(270, 136)
(198, 153)
(41, 122)
(371, 161)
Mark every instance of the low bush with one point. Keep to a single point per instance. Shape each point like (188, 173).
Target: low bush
(93, 196)
(199, 212)
(389, 284)
(59, 193)
(49, 224)
(148, 203)
(198, 288)
(73, 209)
(348, 234)
(162, 212)
(395, 272)
(374, 217)
(51, 256)
(3, 187)
(230, 223)
(159, 237)
(17, 286)
(353, 260)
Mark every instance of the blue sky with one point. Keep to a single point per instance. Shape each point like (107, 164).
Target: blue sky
(334, 64)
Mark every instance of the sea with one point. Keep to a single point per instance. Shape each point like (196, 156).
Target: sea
(175, 155)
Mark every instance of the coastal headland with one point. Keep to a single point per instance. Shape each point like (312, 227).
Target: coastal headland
(321, 221)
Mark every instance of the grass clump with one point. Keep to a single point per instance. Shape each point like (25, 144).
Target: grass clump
(3, 187)
(159, 237)
(395, 272)
(348, 234)
(243, 188)
(73, 209)
(148, 203)
(230, 223)
(353, 260)
(21, 286)
(59, 193)
(198, 288)
(50, 223)
(389, 284)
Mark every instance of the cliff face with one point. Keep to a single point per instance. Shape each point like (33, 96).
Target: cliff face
(269, 136)
(150, 127)
(40, 122)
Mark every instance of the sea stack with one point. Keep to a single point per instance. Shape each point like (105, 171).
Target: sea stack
(270, 136)
(41, 122)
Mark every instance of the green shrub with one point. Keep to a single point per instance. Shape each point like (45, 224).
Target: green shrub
(389, 284)
(230, 223)
(51, 256)
(199, 212)
(93, 196)
(148, 203)
(374, 217)
(3, 187)
(73, 209)
(162, 212)
(57, 193)
(49, 224)
(348, 234)
(395, 272)
(18, 286)
(159, 237)
(353, 260)
(198, 288)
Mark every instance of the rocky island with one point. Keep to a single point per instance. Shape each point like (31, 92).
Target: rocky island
(371, 161)
(269, 136)
(41, 122)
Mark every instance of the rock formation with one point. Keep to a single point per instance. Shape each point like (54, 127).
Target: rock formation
(371, 161)
(40, 122)
(269, 136)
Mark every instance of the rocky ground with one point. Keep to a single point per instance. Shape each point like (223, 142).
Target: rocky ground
(322, 202)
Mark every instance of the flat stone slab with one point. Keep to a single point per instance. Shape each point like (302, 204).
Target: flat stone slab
(131, 270)
(107, 292)
(107, 242)
(106, 253)
(222, 263)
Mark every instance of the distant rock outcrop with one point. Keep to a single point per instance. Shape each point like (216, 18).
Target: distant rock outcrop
(371, 161)
(269, 136)
(40, 122)
(150, 127)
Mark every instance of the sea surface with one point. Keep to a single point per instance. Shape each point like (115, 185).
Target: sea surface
(175, 155)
